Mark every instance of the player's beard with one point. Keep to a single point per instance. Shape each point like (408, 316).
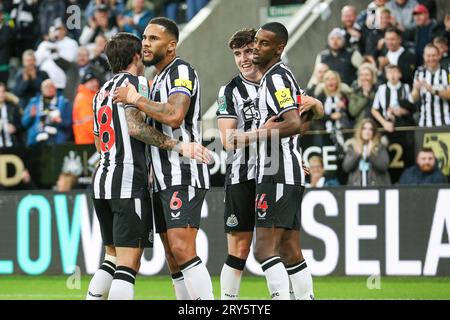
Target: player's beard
(156, 59)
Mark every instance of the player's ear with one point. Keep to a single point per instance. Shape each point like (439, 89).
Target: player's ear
(280, 49)
(172, 45)
(136, 58)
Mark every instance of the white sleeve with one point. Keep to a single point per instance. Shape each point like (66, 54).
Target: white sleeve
(86, 35)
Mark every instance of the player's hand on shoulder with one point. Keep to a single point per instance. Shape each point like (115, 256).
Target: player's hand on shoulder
(126, 95)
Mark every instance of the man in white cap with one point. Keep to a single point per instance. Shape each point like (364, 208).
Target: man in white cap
(343, 60)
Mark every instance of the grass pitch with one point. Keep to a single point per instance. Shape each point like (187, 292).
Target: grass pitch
(253, 288)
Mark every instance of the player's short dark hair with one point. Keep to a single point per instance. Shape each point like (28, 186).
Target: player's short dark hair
(280, 31)
(392, 67)
(241, 38)
(121, 49)
(170, 25)
(394, 30)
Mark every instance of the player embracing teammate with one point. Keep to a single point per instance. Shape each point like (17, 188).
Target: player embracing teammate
(279, 175)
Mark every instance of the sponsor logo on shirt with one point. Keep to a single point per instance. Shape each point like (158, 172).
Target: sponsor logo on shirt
(284, 97)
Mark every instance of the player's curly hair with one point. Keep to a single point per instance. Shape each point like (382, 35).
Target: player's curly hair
(242, 38)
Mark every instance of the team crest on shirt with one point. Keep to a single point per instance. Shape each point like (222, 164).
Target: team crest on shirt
(248, 109)
(222, 103)
(183, 83)
(284, 97)
(232, 221)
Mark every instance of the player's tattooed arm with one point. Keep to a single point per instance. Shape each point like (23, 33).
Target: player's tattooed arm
(170, 113)
(140, 130)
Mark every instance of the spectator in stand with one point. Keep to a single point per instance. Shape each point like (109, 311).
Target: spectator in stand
(55, 55)
(374, 39)
(395, 54)
(99, 60)
(10, 126)
(352, 30)
(442, 44)
(361, 99)
(82, 115)
(48, 117)
(424, 31)
(366, 158)
(431, 6)
(66, 182)
(338, 58)
(425, 171)
(393, 105)
(116, 8)
(49, 11)
(82, 61)
(317, 174)
(135, 21)
(369, 18)
(6, 37)
(333, 94)
(26, 18)
(193, 7)
(368, 59)
(316, 78)
(171, 9)
(99, 23)
(28, 80)
(402, 13)
(432, 90)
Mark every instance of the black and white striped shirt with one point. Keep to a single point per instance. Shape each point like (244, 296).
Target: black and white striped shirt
(278, 161)
(122, 171)
(434, 111)
(169, 167)
(6, 140)
(391, 96)
(236, 100)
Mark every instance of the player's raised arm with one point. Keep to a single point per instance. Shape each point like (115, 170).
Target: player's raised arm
(138, 129)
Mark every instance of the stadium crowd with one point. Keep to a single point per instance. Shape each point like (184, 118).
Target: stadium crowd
(385, 67)
(50, 68)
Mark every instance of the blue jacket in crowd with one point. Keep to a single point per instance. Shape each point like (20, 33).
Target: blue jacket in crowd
(413, 176)
(33, 125)
(139, 28)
